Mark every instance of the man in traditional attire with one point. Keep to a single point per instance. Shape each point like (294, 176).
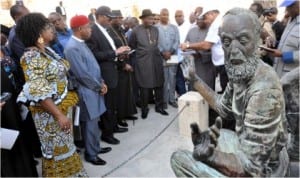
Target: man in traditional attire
(149, 71)
(126, 105)
(168, 43)
(90, 87)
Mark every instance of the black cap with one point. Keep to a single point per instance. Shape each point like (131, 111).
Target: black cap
(104, 10)
(116, 13)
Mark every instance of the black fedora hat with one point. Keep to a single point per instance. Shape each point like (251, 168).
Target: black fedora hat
(146, 13)
(116, 13)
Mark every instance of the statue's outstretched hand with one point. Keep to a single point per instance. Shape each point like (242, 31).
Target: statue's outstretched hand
(205, 142)
(188, 68)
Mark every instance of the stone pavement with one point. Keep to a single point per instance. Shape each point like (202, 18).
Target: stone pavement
(153, 161)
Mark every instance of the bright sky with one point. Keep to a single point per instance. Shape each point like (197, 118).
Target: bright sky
(83, 6)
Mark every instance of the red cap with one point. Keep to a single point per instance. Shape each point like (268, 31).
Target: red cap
(78, 20)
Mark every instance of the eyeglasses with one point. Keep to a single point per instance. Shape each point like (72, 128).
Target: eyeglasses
(156, 19)
(108, 17)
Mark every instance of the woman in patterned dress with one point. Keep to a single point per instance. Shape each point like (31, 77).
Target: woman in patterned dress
(47, 95)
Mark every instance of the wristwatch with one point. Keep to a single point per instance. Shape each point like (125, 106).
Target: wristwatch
(187, 45)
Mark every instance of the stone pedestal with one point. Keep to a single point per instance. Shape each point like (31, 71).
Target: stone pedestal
(197, 111)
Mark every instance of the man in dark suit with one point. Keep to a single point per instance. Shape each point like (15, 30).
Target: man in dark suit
(61, 10)
(92, 16)
(277, 26)
(106, 53)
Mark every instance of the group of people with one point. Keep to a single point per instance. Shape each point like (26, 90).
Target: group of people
(108, 66)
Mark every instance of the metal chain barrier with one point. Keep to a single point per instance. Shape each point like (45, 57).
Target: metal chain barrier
(148, 144)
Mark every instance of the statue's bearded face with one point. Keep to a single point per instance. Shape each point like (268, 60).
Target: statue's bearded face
(239, 43)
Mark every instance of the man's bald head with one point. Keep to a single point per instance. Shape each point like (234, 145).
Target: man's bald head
(17, 11)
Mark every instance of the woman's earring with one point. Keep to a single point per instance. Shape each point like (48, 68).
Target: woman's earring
(41, 40)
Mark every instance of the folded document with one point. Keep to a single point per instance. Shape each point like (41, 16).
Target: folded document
(8, 138)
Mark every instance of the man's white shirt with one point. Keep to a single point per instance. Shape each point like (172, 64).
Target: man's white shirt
(183, 30)
(107, 36)
(213, 37)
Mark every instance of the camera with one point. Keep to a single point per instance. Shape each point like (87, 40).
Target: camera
(5, 96)
(270, 11)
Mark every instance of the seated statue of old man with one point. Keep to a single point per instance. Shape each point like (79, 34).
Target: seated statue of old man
(253, 97)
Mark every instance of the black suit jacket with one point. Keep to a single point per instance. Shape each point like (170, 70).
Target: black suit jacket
(58, 10)
(278, 29)
(91, 17)
(105, 56)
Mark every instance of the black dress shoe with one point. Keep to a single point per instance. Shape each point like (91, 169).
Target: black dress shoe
(145, 113)
(78, 150)
(161, 111)
(120, 130)
(123, 123)
(131, 118)
(110, 140)
(104, 150)
(96, 161)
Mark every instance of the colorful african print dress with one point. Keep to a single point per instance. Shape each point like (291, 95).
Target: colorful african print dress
(46, 77)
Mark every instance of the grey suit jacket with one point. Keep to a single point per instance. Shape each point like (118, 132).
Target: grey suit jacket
(86, 71)
(289, 42)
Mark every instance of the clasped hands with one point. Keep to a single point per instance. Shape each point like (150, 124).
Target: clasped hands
(205, 142)
(103, 89)
(166, 55)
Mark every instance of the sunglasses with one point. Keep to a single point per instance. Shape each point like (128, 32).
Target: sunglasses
(108, 17)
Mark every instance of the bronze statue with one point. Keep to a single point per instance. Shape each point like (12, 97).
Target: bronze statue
(253, 97)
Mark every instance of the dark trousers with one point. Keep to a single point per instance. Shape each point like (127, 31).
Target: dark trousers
(151, 97)
(136, 90)
(223, 77)
(109, 118)
(158, 94)
(180, 82)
